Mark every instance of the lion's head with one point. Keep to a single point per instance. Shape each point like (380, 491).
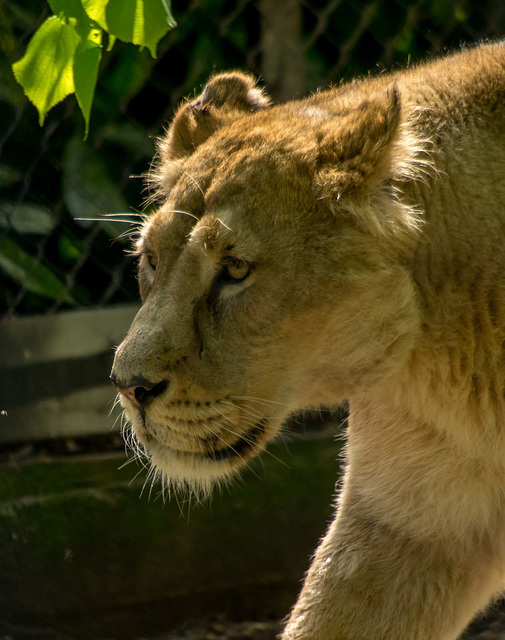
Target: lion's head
(274, 275)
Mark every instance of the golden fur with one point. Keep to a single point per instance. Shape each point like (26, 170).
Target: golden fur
(345, 246)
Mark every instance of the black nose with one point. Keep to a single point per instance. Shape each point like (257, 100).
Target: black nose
(138, 389)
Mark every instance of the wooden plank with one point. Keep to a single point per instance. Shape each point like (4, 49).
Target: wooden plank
(54, 373)
(76, 414)
(70, 334)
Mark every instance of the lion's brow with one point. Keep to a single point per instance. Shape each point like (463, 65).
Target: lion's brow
(216, 231)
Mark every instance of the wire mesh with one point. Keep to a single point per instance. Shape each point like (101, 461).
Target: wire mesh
(49, 178)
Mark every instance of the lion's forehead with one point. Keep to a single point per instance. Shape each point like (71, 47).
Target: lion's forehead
(237, 185)
(170, 231)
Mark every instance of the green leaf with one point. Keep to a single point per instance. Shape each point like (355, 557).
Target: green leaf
(86, 63)
(143, 22)
(30, 273)
(46, 70)
(87, 55)
(26, 218)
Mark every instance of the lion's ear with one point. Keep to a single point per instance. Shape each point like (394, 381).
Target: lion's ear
(232, 91)
(225, 97)
(357, 150)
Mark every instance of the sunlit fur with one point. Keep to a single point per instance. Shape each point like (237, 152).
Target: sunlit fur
(372, 219)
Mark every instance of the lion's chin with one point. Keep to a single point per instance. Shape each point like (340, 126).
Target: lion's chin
(189, 471)
(200, 471)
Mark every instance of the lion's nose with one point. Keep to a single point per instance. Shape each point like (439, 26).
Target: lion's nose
(138, 389)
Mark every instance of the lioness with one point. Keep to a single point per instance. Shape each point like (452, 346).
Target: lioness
(345, 246)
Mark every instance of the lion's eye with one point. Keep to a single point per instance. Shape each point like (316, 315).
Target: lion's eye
(152, 261)
(235, 271)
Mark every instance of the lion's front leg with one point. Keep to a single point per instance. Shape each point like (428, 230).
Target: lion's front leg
(389, 567)
(370, 583)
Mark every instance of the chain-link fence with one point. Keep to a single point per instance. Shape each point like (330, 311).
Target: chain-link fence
(50, 178)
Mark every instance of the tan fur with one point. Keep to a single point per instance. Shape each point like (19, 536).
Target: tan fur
(372, 219)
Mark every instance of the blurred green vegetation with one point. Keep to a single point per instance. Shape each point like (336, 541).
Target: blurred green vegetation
(49, 177)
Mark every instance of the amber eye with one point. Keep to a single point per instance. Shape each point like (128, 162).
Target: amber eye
(235, 271)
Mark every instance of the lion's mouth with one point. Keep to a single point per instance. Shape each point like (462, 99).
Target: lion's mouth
(185, 452)
(206, 448)
(241, 447)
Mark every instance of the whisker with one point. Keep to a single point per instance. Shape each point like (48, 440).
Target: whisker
(243, 437)
(127, 462)
(115, 421)
(155, 478)
(132, 214)
(129, 233)
(135, 476)
(191, 178)
(185, 213)
(144, 483)
(114, 405)
(132, 443)
(164, 486)
(224, 441)
(237, 454)
(224, 225)
(151, 475)
(120, 220)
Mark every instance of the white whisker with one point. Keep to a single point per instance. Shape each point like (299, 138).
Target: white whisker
(120, 220)
(224, 225)
(127, 462)
(135, 476)
(191, 178)
(185, 213)
(244, 436)
(130, 215)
